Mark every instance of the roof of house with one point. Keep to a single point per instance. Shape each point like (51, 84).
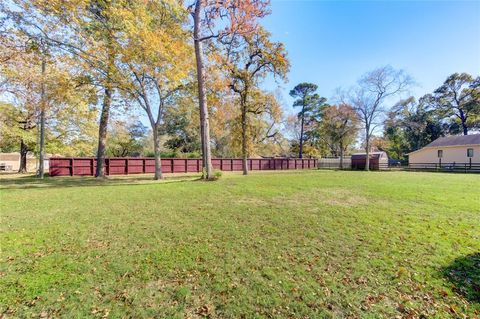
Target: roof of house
(456, 140)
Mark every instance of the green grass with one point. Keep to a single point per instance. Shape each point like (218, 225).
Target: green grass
(312, 244)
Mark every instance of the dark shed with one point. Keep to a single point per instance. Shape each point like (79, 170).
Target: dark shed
(378, 160)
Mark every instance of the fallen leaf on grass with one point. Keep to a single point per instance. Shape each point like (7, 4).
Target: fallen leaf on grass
(452, 309)
(204, 311)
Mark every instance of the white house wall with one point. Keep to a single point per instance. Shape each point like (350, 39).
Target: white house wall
(451, 154)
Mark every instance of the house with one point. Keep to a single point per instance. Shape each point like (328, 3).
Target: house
(10, 162)
(378, 160)
(450, 150)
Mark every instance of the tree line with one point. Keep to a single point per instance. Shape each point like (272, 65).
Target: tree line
(367, 117)
(76, 75)
(154, 56)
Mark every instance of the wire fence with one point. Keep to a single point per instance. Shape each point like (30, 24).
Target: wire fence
(334, 163)
(445, 167)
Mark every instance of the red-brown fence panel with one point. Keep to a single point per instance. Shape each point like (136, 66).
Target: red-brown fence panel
(86, 166)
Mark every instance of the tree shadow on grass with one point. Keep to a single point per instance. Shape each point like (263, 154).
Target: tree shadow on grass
(29, 181)
(464, 274)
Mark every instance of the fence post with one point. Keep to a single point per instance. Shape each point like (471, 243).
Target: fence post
(92, 164)
(198, 165)
(126, 166)
(72, 163)
(231, 164)
(107, 166)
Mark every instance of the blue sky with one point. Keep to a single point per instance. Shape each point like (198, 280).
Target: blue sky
(332, 43)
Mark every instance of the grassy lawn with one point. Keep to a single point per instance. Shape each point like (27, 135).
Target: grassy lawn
(312, 244)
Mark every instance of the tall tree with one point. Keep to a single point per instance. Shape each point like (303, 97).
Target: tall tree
(43, 110)
(339, 127)
(459, 97)
(86, 29)
(156, 56)
(252, 58)
(57, 97)
(98, 21)
(411, 124)
(368, 99)
(181, 126)
(239, 17)
(16, 29)
(310, 104)
(21, 79)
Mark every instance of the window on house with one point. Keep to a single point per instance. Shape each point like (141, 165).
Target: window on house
(440, 153)
(469, 152)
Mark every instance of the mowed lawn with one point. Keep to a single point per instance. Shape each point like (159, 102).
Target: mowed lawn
(311, 244)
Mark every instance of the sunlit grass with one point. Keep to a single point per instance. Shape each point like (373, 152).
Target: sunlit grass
(273, 244)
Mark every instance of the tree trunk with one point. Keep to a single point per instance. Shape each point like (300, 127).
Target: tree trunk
(102, 130)
(41, 165)
(367, 150)
(23, 157)
(202, 142)
(300, 152)
(464, 123)
(341, 155)
(158, 160)
(204, 119)
(244, 139)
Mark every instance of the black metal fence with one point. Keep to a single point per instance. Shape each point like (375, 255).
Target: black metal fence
(334, 163)
(445, 167)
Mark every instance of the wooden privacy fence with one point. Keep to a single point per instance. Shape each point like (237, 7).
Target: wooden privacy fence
(84, 166)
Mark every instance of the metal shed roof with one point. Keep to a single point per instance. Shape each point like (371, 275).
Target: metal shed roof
(372, 155)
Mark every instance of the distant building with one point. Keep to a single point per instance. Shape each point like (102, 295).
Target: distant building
(378, 160)
(448, 150)
(10, 162)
